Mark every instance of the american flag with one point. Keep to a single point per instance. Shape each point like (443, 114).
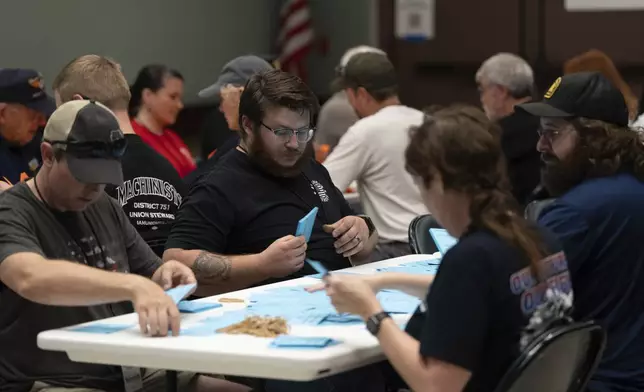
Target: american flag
(296, 36)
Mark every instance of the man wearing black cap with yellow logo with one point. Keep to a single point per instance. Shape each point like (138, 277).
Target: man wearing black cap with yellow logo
(24, 107)
(594, 165)
(69, 255)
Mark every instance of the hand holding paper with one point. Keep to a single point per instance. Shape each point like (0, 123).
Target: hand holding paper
(284, 256)
(173, 273)
(350, 234)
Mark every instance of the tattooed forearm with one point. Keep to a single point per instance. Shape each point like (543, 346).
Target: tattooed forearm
(208, 266)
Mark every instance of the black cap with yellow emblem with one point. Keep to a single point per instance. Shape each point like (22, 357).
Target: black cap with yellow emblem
(584, 94)
(25, 87)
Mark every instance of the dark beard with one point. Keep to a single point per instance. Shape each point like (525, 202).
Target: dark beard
(262, 159)
(560, 176)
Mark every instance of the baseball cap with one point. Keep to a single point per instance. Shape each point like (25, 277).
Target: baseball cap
(336, 84)
(25, 87)
(583, 94)
(236, 72)
(92, 139)
(370, 70)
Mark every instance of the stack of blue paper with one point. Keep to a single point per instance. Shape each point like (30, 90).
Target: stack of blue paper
(299, 307)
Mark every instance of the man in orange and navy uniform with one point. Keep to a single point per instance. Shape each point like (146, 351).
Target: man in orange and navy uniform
(24, 109)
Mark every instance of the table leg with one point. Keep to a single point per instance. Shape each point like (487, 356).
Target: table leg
(171, 381)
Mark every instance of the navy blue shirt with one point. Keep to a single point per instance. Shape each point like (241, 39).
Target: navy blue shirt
(490, 283)
(600, 224)
(17, 163)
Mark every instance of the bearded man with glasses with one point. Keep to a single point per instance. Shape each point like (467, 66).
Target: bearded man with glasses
(236, 228)
(594, 166)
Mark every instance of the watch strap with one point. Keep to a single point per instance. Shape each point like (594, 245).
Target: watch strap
(374, 322)
(369, 222)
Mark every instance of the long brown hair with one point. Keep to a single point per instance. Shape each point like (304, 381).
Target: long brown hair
(463, 147)
(595, 60)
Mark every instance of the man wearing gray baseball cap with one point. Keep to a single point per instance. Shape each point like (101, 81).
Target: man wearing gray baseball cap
(227, 90)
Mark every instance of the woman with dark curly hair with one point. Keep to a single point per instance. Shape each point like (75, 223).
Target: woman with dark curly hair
(594, 164)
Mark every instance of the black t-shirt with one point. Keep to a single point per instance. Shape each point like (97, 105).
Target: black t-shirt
(151, 193)
(238, 209)
(206, 167)
(100, 237)
(480, 301)
(214, 132)
(519, 143)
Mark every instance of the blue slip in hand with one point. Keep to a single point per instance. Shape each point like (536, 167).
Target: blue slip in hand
(442, 239)
(180, 292)
(305, 225)
(101, 328)
(306, 342)
(196, 307)
(316, 265)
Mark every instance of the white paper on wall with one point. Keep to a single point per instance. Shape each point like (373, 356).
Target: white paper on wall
(415, 19)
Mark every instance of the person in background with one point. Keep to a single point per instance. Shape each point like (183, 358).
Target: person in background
(228, 89)
(152, 190)
(154, 106)
(467, 331)
(597, 61)
(236, 227)
(68, 255)
(594, 166)
(371, 152)
(24, 108)
(337, 114)
(505, 80)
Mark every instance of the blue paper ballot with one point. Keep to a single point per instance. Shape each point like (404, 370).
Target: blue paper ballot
(180, 292)
(309, 318)
(305, 225)
(196, 307)
(101, 328)
(442, 239)
(289, 341)
(341, 319)
(317, 266)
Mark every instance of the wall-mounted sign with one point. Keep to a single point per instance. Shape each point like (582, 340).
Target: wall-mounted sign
(415, 19)
(604, 5)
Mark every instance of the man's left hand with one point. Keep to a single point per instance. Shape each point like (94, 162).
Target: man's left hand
(173, 273)
(350, 234)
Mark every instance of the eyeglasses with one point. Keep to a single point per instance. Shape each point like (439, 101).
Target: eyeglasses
(303, 134)
(549, 135)
(113, 150)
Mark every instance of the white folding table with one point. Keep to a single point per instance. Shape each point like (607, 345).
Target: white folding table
(237, 355)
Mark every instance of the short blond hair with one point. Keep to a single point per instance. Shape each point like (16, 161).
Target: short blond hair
(94, 77)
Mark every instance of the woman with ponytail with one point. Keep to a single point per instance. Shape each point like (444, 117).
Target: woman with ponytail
(469, 327)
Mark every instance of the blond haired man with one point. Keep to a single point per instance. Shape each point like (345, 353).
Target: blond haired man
(152, 190)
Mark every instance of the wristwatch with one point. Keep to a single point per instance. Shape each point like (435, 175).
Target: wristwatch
(374, 322)
(369, 223)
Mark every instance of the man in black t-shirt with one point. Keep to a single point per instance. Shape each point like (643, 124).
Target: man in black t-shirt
(236, 227)
(152, 190)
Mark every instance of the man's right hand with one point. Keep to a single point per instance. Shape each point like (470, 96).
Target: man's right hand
(284, 257)
(157, 311)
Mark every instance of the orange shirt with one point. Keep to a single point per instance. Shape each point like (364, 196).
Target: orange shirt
(170, 146)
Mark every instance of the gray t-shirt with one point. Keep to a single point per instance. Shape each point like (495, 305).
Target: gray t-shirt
(101, 237)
